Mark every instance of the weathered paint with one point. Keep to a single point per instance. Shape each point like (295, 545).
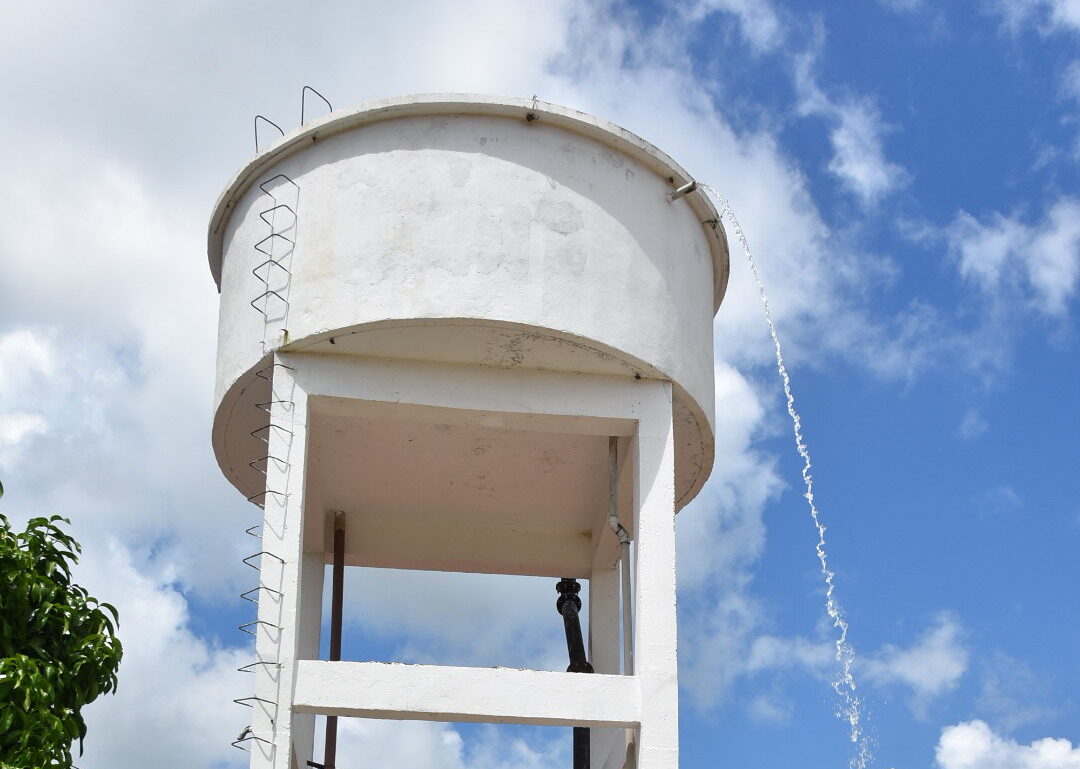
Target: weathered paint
(454, 229)
(477, 301)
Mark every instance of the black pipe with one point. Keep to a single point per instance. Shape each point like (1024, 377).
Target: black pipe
(569, 606)
(336, 600)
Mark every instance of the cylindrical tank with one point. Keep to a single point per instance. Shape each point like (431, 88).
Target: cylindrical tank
(474, 230)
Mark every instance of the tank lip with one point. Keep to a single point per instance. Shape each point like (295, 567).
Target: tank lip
(473, 104)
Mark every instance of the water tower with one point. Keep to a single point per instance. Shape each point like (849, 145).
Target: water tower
(467, 334)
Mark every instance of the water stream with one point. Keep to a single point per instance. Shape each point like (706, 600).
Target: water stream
(850, 706)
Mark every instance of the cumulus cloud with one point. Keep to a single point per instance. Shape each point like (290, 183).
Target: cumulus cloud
(856, 134)
(930, 667)
(113, 354)
(974, 745)
(1070, 80)
(1047, 15)
(759, 22)
(429, 745)
(905, 6)
(972, 425)
(998, 500)
(1006, 257)
(1012, 695)
(720, 536)
(766, 709)
(173, 707)
(106, 302)
(433, 617)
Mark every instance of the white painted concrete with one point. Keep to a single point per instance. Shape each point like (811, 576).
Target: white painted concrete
(279, 639)
(443, 693)
(453, 228)
(475, 302)
(655, 629)
(548, 401)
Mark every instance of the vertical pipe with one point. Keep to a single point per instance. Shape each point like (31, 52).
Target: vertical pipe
(624, 573)
(336, 600)
(569, 606)
(627, 612)
(624, 556)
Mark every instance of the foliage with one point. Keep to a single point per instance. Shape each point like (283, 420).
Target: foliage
(58, 646)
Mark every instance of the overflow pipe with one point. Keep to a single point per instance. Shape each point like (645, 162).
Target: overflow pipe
(686, 189)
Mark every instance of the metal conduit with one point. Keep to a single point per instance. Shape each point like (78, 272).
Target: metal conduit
(624, 573)
(336, 601)
(569, 606)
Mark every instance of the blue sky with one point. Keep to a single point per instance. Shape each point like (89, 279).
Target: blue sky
(906, 172)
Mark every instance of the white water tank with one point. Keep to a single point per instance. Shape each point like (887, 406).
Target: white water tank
(492, 231)
(466, 334)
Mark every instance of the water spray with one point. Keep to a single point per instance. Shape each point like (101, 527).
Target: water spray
(844, 682)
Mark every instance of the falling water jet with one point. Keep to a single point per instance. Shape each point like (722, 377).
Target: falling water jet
(844, 683)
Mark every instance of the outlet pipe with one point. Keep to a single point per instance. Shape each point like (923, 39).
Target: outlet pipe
(624, 555)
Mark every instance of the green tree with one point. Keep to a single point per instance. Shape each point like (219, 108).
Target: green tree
(58, 646)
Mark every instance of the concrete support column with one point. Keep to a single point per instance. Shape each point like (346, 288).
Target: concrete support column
(277, 637)
(655, 631)
(608, 745)
(312, 568)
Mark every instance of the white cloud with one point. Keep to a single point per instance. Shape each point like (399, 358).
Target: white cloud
(905, 6)
(972, 425)
(173, 706)
(23, 354)
(766, 709)
(974, 745)
(430, 745)
(998, 499)
(930, 667)
(1070, 80)
(404, 744)
(1048, 16)
(102, 268)
(1012, 694)
(460, 619)
(1005, 257)
(759, 23)
(858, 159)
(26, 359)
(14, 427)
(769, 653)
(720, 536)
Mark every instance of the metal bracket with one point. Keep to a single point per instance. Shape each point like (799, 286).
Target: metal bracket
(248, 668)
(255, 498)
(265, 120)
(245, 701)
(247, 560)
(303, 101)
(247, 736)
(246, 595)
(253, 623)
(262, 373)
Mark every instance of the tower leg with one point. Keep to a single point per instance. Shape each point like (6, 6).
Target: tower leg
(655, 662)
(337, 597)
(608, 743)
(278, 634)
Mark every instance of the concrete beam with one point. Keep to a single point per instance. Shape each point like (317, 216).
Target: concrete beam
(486, 695)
